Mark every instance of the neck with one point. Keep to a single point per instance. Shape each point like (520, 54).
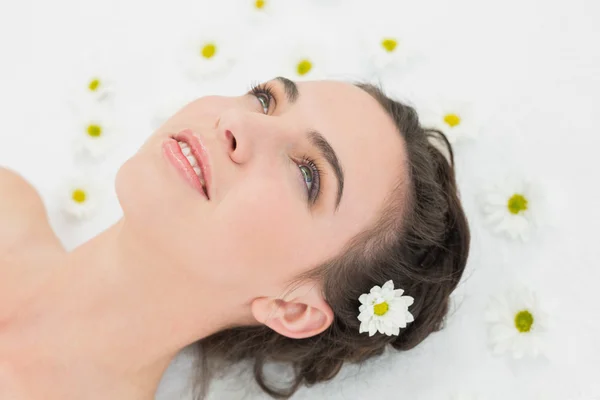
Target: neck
(116, 315)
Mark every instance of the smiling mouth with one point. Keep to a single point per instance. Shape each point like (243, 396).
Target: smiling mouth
(193, 150)
(194, 163)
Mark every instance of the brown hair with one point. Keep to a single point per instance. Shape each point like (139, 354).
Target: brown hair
(420, 241)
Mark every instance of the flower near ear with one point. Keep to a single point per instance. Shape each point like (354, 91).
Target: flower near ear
(385, 310)
(517, 323)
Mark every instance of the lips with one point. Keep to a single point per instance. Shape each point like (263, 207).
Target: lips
(200, 152)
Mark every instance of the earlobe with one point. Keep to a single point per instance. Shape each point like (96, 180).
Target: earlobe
(299, 318)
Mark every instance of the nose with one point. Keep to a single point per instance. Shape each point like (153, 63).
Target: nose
(247, 133)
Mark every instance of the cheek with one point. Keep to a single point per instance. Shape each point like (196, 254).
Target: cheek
(266, 228)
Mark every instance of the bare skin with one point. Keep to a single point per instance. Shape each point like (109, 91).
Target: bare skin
(106, 319)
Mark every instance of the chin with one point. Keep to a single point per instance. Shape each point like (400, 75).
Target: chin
(145, 192)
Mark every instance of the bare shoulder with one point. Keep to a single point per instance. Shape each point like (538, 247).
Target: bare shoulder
(27, 243)
(17, 191)
(22, 211)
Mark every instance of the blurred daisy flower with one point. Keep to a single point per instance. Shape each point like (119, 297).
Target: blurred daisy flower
(95, 88)
(456, 118)
(95, 134)
(305, 59)
(516, 324)
(99, 87)
(79, 196)
(259, 10)
(387, 49)
(208, 53)
(511, 207)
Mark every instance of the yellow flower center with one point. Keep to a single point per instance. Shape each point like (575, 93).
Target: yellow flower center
(259, 4)
(209, 50)
(381, 308)
(94, 130)
(389, 44)
(452, 120)
(304, 67)
(79, 195)
(94, 85)
(523, 321)
(517, 203)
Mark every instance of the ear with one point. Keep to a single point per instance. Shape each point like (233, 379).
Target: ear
(304, 314)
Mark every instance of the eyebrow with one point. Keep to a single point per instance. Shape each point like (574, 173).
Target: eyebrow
(317, 140)
(291, 89)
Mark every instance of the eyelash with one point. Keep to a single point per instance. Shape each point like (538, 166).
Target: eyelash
(315, 189)
(262, 91)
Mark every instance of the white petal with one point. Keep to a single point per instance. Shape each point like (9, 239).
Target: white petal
(375, 290)
(386, 322)
(380, 326)
(401, 303)
(389, 285)
(388, 330)
(363, 298)
(372, 328)
(502, 332)
(363, 316)
(364, 327)
(388, 296)
(501, 347)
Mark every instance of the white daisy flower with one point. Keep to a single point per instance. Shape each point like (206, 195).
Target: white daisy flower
(95, 134)
(385, 310)
(517, 324)
(511, 206)
(208, 53)
(99, 87)
(95, 87)
(454, 117)
(259, 10)
(385, 49)
(305, 59)
(79, 196)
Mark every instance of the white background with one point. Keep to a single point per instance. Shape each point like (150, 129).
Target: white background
(532, 68)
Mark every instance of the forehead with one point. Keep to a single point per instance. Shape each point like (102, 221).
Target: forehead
(363, 135)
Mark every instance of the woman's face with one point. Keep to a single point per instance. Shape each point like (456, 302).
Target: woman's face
(270, 215)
